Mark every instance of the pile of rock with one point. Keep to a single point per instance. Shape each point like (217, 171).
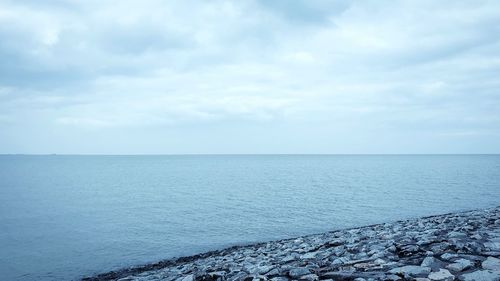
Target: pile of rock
(463, 246)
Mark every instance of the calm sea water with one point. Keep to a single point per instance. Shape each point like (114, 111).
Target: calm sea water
(64, 217)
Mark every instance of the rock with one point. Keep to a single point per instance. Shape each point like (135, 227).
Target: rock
(456, 234)
(492, 245)
(273, 272)
(298, 272)
(338, 275)
(264, 269)
(460, 265)
(217, 274)
(448, 256)
(392, 277)
(308, 256)
(431, 262)
(309, 277)
(340, 261)
(441, 275)
(189, 277)
(481, 275)
(411, 270)
(279, 279)
(491, 263)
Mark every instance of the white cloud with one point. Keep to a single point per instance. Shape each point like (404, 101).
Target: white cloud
(408, 66)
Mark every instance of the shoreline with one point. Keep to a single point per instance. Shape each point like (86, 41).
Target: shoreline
(459, 245)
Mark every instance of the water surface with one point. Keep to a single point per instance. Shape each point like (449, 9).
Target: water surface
(64, 217)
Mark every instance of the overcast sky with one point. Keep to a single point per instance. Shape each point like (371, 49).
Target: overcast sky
(276, 76)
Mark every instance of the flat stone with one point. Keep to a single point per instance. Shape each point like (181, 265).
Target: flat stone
(491, 263)
(298, 272)
(481, 275)
(460, 265)
(441, 275)
(411, 270)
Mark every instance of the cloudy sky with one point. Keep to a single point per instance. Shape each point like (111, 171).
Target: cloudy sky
(270, 76)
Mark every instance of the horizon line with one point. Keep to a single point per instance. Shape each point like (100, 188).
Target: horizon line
(232, 154)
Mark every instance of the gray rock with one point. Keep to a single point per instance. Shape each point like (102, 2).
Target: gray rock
(280, 278)
(189, 277)
(460, 265)
(338, 275)
(264, 269)
(448, 256)
(492, 245)
(309, 277)
(298, 272)
(481, 275)
(456, 234)
(392, 277)
(491, 263)
(441, 275)
(411, 270)
(431, 262)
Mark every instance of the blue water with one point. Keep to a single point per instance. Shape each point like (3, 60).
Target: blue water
(64, 217)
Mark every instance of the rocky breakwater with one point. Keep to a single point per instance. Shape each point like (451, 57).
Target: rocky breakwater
(459, 246)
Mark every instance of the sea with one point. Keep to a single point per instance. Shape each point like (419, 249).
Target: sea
(63, 217)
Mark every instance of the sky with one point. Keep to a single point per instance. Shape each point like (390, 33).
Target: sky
(175, 77)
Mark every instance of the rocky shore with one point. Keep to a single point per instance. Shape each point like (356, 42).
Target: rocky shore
(459, 246)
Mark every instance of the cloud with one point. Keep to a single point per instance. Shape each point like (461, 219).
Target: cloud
(334, 70)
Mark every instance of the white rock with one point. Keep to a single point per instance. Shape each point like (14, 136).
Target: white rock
(441, 275)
